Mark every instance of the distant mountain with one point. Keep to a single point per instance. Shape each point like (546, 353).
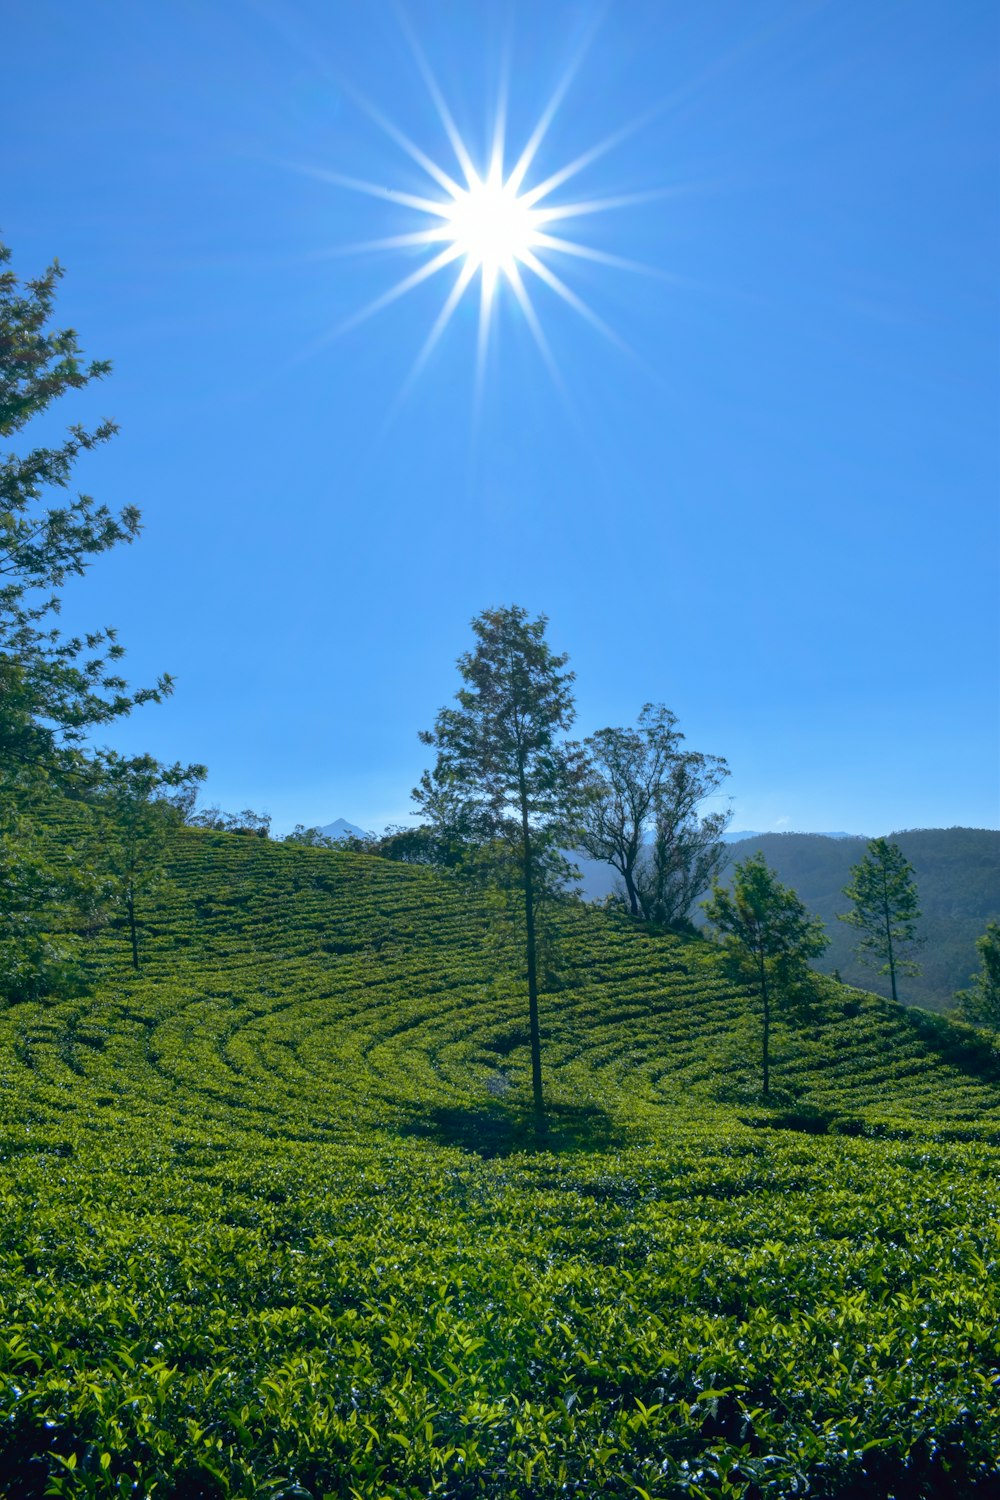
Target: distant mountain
(599, 879)
(957, 874)
(341, 829)
(736, 835)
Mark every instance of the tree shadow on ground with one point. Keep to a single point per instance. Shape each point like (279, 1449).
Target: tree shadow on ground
(497, 1128)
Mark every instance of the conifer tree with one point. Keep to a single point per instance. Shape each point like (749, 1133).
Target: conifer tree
(769, 938)
(885, 910)
(506, 782)
(53, 688)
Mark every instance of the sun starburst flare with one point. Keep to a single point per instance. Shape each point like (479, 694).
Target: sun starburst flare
(489, 225)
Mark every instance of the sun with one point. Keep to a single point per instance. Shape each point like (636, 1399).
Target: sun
(492, 227)
(487, 224)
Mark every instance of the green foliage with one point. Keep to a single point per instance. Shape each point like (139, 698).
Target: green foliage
(246, 821)
(139, 802)
(641, 783)
(38, 898)
(980, 1003)
(957, 871)
(506, 785)
(53, 689)
(769, 938)
(241, 1253)
(440, 846)
(312, 838)
(62, 686)
(885, 910)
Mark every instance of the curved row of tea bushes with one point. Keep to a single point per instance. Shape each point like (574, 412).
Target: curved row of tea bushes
(242, 1251)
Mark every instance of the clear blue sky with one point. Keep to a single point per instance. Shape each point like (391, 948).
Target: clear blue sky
(776, 509)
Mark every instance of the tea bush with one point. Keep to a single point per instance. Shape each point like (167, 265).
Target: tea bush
(270, 1226)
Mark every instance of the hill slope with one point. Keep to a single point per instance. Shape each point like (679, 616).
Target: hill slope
(265, 1228)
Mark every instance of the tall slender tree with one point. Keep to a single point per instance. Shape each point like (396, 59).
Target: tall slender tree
(506, 782)
(885, 910)
(769, 938)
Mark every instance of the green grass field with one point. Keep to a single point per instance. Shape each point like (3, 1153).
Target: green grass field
(272, 1224)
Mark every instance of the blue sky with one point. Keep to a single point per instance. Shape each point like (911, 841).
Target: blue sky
(772, 504)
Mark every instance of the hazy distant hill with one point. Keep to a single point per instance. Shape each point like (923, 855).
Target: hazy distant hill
(737, 835)
(957, 871)
(958, 876)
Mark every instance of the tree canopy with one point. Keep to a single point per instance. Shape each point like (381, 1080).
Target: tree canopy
(641, 814)
(980, 1003)
(885, 910)
(769, 938)
(506, 780)
(54, 688)
(57, 687)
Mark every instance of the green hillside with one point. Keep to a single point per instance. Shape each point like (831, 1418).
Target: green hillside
(270, 1227)
(957, 873)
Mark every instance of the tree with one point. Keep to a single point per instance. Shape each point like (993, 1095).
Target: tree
(769, 938)
(141, 802)
(218, 821)
(53, 689)
(63, 686)
(885, 910)
(688, 852)
(506, 783)
(642, 784)
(626, 772)
(423, 845)
(980, 1003)
(311, 838)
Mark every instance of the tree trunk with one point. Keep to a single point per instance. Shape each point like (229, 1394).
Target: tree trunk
(541, 1127)
(766, 1036)
(888, 936)
(633, 894)
(133, 932)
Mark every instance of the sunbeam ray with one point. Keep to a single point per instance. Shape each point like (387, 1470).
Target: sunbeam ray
(548, 114)
(600, 257)
(560, 211)
(451, 129)
(441, 322)
(429, 268)
(436, 236)
(586, 158)
(538, 333)
(498, 145)
(544, 273)
(372, 189)
(488, 282)
(440, 176)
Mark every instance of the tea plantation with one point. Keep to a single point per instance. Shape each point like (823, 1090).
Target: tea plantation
(271, 1225)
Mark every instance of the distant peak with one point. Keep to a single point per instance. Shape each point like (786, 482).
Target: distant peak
(341, 829)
